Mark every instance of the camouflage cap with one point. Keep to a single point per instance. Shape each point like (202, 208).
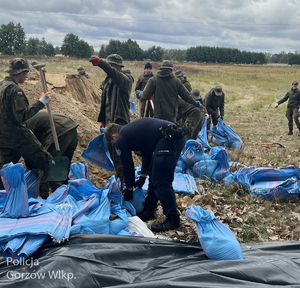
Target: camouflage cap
(17, 65)
(80, 68)
(179, 73)
(167, 64)
(34, 62)
(196, 94)
(115, 59)
(218, 90)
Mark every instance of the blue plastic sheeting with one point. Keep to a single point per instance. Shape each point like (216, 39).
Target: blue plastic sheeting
(97, 153)
(269, 183)
(217, 240)
(224, 135)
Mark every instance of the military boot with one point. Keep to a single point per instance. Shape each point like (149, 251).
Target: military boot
(171, 223)
(147, 214)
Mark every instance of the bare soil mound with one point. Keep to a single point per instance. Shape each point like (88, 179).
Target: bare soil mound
(78, 98)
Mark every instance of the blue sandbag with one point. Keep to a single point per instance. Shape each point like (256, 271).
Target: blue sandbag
(202, 135)
(97, 153)
(193, 153)
(13, 179)
(204, 169)
(223, 167)
(224, 135)
(216, 239)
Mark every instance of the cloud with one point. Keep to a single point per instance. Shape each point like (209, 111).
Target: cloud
(257, 25)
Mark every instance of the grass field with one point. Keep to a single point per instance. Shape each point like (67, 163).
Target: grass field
(251, 92)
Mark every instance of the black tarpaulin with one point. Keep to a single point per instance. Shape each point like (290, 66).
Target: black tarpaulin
(97, 260)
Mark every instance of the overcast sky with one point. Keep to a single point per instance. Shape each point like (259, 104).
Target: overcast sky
(251, 25)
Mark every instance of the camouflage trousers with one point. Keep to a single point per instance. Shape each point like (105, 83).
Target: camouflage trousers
(32, 152)
(292, 115)
(192, 117)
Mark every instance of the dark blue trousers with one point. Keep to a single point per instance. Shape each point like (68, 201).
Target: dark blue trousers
(161, 175)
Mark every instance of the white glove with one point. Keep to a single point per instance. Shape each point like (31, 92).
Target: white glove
(46, 98)
(276, 106)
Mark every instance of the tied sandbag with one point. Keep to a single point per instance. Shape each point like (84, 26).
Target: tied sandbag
(194, 152)
(216, 239)
(97, 153)
(223, 167)
(205, 169)
(224, 135)
(13, 179)
(270, 183)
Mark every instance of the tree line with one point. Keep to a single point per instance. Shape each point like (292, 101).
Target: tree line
(13, 42)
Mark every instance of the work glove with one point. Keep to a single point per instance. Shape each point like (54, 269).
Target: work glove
(102, 127)
(206, 115)
(198, 105)
(95, 60)
(140, 182)
(151, 99)
(276, 106)
(137, 94)
(45, 98)
(128, 194)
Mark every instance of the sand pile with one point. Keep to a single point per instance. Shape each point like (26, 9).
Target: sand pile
(79, 98)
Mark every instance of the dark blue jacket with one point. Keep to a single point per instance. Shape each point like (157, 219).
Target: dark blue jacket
(140, 135)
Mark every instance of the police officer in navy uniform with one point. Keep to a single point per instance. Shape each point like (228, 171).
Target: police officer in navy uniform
(160, 144)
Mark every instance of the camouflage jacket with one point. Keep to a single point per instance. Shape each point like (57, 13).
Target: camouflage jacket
(142, 81)
(293, 96)
(116, 89)
(214, 103)
(166, 87)
(39, 124)
(14, 111)
(187, 85)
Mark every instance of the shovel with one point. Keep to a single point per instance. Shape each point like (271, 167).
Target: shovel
(59, 165)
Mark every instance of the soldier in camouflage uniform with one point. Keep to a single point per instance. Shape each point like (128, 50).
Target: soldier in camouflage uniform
(182, 77)
(115, 106)
(166, 87)
(140, 85)
(66, 129)
(188, 114)
(81, 71)
(293, 110)
(214, 103)
(16, 139)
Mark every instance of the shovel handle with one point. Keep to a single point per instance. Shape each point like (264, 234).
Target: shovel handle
(44, 84)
